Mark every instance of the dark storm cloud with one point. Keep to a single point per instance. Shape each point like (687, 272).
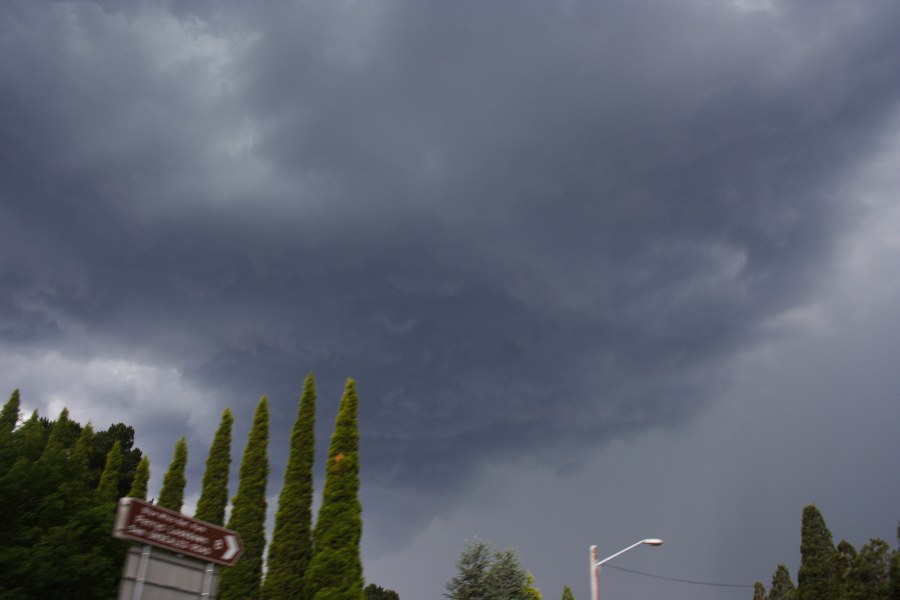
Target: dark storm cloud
(520, 227)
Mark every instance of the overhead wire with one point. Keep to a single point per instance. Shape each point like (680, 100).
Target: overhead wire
(690, 581)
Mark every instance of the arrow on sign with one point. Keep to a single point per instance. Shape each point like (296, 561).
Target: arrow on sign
(231, 548)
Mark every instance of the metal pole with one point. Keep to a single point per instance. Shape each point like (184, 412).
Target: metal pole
(144, 562)
(207, 580)
(595, 574)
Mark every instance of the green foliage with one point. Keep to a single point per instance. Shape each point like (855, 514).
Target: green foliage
(214, 493)
(109, 480)
(567, 593)
(335, 571)
(507, 579)
(9, 416)
(131, 456)
(248, 515)
(818, 577)
(55, 522)
(172, 494)
(759, 591)
(141, 477)
(472, 566)
(894, 573)
(374, 592)
(291, 549)
(782, 585)
(868, 575)
(486, 574)
(531, 591)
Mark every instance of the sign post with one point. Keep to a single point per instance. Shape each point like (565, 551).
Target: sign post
(178, 556)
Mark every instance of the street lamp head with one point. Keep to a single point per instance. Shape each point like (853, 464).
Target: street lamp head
(652, 542)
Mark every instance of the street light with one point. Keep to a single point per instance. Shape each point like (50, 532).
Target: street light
(595, 564)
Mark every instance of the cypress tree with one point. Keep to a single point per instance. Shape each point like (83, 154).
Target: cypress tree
(818, 577)
(782, 585)
(141, 477)
(109, 480)
(291, 549)
(172, 494)
(335, 572)
(248, 514)
(567, 593)
(214, 494)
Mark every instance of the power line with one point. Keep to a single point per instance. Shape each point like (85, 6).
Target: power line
(691, 581)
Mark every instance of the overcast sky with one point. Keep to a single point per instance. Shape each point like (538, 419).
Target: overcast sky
(602, 270)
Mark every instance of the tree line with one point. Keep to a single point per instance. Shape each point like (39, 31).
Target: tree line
(61, 482)
(835, 572)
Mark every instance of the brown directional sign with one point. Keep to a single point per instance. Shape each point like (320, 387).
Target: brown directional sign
(140, 521)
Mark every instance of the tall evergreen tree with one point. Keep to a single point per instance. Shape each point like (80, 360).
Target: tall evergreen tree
(291, 549)
(248, 514)
(172, 494)
(141, 477)
(335, 572)
(818, 577)
(759, 591)
(567, 593)
(214, 493)
(782, 585)
(109, 480)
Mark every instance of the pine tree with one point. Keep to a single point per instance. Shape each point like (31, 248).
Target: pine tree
(291, 549)
(782, 585)
(818, 577)
(507, 578)
(248, 514)
(335, 572)
(141, 477)
(759, 591)
(109, 480)
(172, 494)
(567, 593)
(214, 494)
(473, 566)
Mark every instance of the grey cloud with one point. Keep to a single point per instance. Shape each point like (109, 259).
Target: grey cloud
(522, 230)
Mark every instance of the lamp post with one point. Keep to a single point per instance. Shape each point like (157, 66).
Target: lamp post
(595, 564)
